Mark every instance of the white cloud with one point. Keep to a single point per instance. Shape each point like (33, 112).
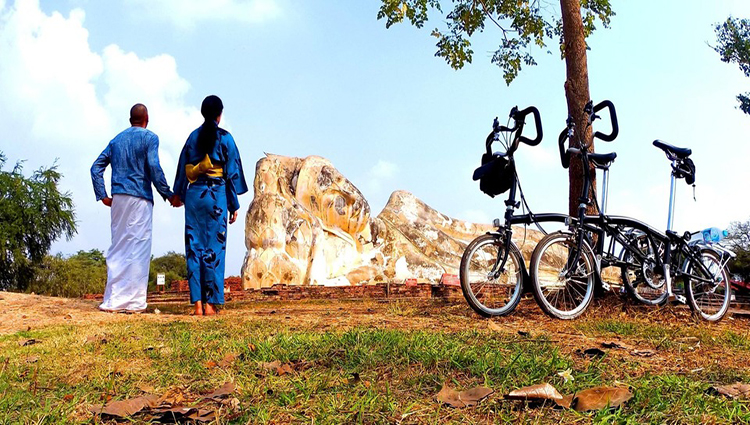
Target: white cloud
(62, 100)
(383, 170)
(380, 173)
(188, 13)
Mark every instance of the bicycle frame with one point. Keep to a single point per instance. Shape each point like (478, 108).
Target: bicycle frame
(603, 225)
(505, 230)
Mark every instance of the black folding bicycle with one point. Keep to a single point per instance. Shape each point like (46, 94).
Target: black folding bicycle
(492, 270)
(655, 266)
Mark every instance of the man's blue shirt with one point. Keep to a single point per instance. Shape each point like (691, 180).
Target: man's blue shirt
(134, 156)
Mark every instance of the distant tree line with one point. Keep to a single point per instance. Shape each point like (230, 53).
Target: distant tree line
(34, 214)
(739, 241)
(86, 273)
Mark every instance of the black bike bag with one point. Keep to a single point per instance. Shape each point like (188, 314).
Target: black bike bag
(496, 175)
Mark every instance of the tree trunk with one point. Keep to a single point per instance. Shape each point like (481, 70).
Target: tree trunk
(577, 94)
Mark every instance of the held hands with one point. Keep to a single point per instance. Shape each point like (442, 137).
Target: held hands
(107, 201)
(233, 217)
(175, 201)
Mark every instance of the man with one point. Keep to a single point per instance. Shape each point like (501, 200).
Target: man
(134, 157)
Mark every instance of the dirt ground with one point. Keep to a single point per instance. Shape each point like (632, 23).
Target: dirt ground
(686, 344)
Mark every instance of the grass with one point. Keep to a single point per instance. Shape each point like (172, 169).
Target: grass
(400, 369)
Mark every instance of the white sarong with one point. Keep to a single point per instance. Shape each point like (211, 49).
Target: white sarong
(129, 257)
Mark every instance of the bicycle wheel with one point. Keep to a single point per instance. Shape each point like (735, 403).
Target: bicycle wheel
(558, 295)
(488, 292)
(708, 299)
(640, 277)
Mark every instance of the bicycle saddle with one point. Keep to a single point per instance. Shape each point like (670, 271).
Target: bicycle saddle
(673, 151)
(602, 160)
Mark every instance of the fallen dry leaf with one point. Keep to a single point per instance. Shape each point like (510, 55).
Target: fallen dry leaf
(210, 364)
(228, 360)
(27, 342)
(494, 326)
(233, 403)
(203, 415)
(566, 401)
(173, 397)
(284, 369)
(251, 347)
(643, 353)
(466, 398)
(270, 365)
(96, 339)
(129, 407)
(599, 398)
(222, 392)
(174, 414)
(539, 392)
(615, 344)
(737, 390)
(32, 359)
(68, 397)
(157, 311)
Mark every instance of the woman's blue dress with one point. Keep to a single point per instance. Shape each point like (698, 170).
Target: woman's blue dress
(207, 202)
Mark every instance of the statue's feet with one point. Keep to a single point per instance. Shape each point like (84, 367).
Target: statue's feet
(198, 309)
(209, 310)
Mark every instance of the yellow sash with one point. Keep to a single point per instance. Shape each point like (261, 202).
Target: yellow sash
(204, 167)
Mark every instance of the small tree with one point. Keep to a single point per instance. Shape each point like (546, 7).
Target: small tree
(733, 37)
(739, 240)
(33, 214)
(74, 276)
(172, 264)
(522, 25)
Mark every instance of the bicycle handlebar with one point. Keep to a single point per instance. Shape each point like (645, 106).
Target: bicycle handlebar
(519, 121)
(564, 156)
(590, 111)
(613, 118)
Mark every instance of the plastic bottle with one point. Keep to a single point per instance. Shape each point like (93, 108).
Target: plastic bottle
(713, 234)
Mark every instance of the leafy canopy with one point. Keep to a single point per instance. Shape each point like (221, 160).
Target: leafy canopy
(33, 214)
(733, 37)
(522, 23)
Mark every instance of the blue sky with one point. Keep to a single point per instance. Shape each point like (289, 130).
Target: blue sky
(326, 78)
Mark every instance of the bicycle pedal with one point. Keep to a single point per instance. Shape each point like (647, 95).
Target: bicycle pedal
(606, 286)
(679, 298)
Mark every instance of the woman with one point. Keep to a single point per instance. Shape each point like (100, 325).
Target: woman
(209, 178)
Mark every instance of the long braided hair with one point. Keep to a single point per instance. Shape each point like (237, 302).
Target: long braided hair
(211, 109)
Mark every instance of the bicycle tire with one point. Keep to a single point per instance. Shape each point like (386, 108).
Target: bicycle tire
(477, 264)
(699, 294)
(635, 278)
(548, 292)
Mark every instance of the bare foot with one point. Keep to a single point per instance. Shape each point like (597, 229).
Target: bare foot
(209, 310)
(198, 309)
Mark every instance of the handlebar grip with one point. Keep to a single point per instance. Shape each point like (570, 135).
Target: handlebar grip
(564, 155)
(520, 115)
(613, 117)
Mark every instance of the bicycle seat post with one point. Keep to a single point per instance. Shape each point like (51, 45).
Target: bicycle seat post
(605, 190)
(670, 219)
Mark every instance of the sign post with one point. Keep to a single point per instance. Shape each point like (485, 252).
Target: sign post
(160, 281)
